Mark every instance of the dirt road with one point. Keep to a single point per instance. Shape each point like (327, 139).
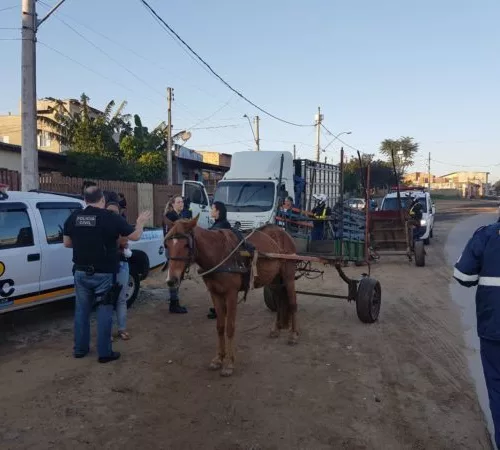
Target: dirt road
(401, 383)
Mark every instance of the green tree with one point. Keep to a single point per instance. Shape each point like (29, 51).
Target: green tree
(139, 141)
(404, 151)
(381, 174)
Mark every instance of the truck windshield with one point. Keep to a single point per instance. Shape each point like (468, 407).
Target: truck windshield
(246, 196)
(391, 203)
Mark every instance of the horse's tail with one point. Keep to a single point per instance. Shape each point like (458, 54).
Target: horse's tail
(283, 309)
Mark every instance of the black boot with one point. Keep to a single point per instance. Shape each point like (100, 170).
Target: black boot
(175, 308)
(212, 314)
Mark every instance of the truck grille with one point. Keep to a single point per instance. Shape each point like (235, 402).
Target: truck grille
(245, 224)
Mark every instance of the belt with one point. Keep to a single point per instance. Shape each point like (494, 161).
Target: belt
(89, 270)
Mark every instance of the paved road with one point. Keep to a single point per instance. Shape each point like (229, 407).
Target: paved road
(464, 298)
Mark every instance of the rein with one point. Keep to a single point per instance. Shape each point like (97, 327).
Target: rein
(191, 255)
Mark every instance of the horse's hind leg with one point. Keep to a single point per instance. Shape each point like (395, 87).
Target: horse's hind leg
(292, 303)
(231, 304)
(220, 309)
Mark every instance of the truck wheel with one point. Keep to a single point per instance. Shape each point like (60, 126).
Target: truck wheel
(132, 288)
(368, 300)
(419, 254)
(271, 298)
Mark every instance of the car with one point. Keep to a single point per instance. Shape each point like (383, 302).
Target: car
(356, 203)
(390, 203)
(36, 268)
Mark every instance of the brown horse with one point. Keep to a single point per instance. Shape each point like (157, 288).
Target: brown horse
(187, 243)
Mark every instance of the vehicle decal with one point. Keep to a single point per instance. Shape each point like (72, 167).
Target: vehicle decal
(22, 300)
(6, 288)
(32, 297)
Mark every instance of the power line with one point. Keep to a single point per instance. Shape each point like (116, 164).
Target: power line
(9, 7)
(172, 32)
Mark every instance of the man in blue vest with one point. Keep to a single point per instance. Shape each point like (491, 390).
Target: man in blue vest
(479, 265)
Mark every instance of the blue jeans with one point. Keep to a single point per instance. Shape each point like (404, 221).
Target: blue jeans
(87, 287)
(121, 305)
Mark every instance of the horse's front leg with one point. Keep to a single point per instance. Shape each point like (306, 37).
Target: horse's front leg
(231, 304)
(293, 336)
(220, 310)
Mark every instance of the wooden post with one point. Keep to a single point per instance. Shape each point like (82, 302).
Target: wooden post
(367, 212)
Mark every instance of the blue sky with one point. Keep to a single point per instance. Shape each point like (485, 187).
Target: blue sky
(381, 69)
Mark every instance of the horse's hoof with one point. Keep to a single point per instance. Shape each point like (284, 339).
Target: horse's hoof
(293, 339)
(226, 372)
(274, 334)
(215, 364)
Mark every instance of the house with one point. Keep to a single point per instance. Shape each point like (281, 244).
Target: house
(10, 125)
(462, 184)
(10, 159)
(216, 158)
(189, 164)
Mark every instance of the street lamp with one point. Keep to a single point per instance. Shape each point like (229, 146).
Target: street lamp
(255, 134)
(335, 138)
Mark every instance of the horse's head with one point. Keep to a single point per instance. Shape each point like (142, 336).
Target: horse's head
(179, 242)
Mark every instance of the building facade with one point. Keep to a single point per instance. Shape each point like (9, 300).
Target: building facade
(10, 125)
(465, 184)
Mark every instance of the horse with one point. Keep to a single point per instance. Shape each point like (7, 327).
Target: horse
(187, 243)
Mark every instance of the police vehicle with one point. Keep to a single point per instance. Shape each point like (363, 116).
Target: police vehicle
(35, 267)
(390, 203)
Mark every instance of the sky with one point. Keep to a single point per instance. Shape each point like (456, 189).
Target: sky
(380, 69)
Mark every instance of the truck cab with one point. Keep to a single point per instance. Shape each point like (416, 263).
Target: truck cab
(251, 189)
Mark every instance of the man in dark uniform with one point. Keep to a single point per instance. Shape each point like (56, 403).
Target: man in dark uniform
(92, 233)
(479, 265)
(321, 212)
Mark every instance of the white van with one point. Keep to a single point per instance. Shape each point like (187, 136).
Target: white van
(36, 268)
(390, 203)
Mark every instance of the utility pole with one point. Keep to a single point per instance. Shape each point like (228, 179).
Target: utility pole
(257, 139)
(170, 94)
(29, 148)
(319, 119)
(429, 171)
(294, 152)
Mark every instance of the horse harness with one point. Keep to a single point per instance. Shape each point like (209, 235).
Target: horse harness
(238, 264)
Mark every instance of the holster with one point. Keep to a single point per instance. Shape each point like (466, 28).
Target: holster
(110, 297)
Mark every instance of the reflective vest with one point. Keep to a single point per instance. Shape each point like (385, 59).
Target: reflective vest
(479, 265)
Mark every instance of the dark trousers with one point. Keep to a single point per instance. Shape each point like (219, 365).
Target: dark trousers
(490, 356)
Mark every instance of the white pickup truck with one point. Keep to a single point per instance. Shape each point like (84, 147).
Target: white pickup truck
(35, 267)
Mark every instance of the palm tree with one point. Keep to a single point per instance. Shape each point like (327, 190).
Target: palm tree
(64, 125)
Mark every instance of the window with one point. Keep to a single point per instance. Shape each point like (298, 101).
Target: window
(15, 229)
(53, 218)
(391, 203)
(43, 139)
(251, 196)
(195, 194)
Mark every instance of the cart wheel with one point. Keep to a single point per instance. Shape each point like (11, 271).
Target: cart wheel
(368, 300)
(271, 298)
(419, 254)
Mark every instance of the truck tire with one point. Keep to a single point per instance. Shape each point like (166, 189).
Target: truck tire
(134, 283)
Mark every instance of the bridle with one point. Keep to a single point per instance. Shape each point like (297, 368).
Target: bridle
(191, 246)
